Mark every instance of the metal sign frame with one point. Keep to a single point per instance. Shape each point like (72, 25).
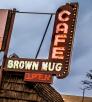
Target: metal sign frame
(61, 45)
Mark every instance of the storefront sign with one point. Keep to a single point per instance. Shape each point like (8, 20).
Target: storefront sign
(63, 34)
(60, 51)
(31, 65)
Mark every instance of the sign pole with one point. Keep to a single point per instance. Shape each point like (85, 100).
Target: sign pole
(9, 28)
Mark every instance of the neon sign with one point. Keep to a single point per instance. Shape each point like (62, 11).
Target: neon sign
(63, 34)
(60, 51)
(38, 77)
(29, 65)
(60, 35)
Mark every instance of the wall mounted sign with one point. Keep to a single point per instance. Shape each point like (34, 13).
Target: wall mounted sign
(60, 51)
(33, 65)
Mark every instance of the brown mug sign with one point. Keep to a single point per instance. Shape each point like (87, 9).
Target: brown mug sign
(60, 51)
(33, 65)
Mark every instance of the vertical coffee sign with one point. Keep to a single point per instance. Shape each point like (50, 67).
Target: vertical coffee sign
(3, 21)
(62, 37)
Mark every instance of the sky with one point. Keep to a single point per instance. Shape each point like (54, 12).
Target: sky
(28, 31)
